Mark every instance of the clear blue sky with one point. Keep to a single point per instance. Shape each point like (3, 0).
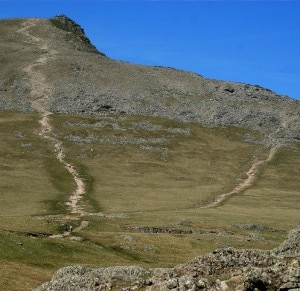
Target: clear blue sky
(249, 41)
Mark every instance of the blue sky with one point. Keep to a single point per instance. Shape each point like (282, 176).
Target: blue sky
(248, 41)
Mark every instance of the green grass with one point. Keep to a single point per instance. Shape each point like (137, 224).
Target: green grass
(156, 171)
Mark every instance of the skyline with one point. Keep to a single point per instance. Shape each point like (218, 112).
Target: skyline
(246, 41)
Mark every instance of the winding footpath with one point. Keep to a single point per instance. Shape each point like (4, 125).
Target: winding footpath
(40, 97)
(248, 182)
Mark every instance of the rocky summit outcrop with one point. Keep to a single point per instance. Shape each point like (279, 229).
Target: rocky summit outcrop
(223, 269)
(82, 80)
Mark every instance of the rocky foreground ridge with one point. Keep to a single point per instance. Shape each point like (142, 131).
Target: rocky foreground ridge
(223, 269)
(82, 80)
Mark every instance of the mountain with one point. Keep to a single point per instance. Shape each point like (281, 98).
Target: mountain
(82, 80)
(106, 163)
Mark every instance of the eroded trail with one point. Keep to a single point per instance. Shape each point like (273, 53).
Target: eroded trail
(248, 182)
(40, 97)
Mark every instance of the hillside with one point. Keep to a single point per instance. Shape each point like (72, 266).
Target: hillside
(84, 81)
(106, 163)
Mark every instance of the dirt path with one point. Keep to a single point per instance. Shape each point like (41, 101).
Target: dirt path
(248, 182)
(40, 97)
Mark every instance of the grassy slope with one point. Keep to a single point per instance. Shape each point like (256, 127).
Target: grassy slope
(155, 171)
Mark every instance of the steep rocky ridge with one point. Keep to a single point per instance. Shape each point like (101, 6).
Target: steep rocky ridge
(87, 82)
(76, 32)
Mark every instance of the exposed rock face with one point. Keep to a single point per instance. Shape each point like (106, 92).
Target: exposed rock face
(243, 270)
(66, 24)
(86, 82)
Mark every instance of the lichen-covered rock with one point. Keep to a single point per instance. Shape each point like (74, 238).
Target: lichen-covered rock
(291, 246)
